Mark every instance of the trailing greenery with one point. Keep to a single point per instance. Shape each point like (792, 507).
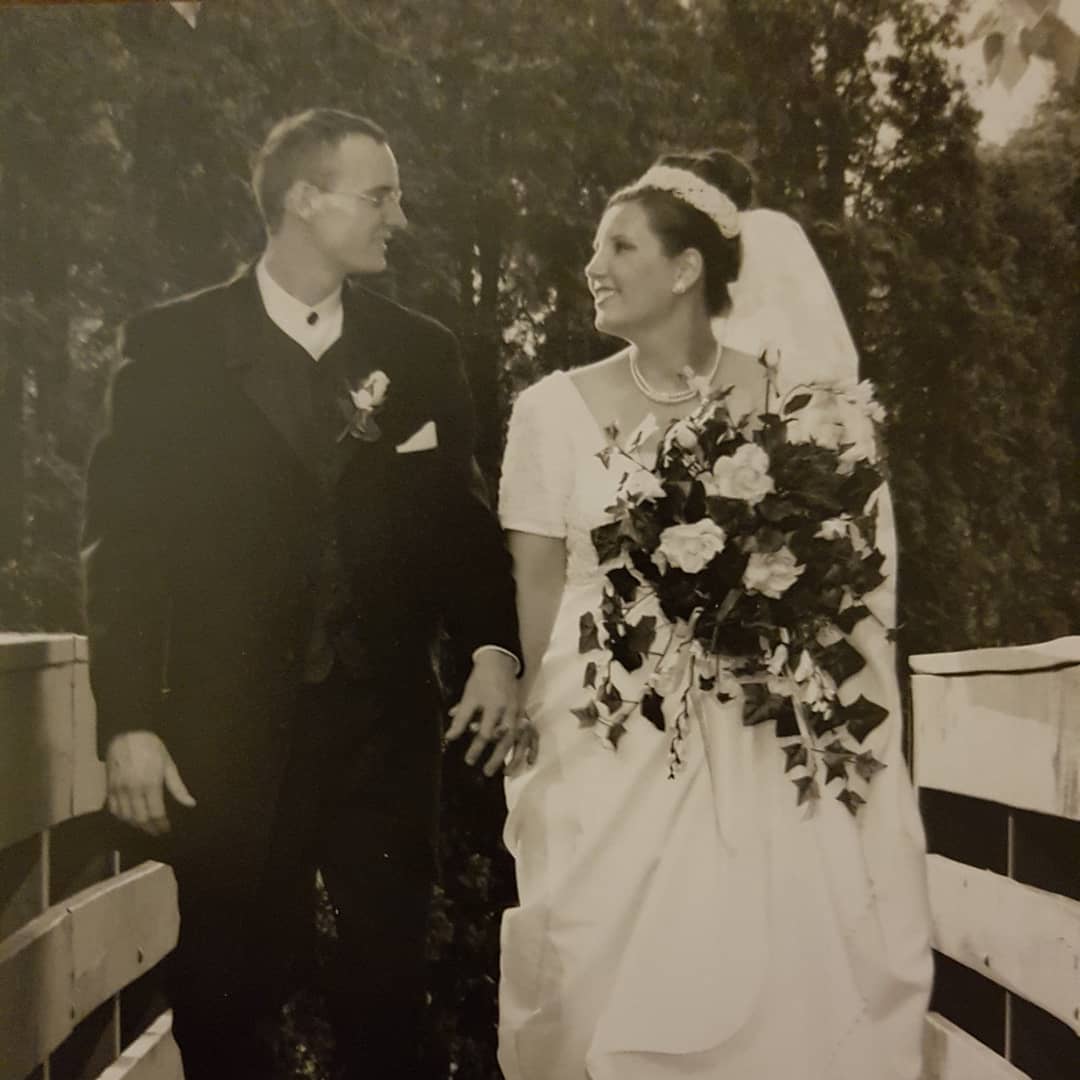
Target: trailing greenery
(125, 138)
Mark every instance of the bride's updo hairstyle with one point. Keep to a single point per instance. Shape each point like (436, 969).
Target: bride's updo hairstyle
(680, 225)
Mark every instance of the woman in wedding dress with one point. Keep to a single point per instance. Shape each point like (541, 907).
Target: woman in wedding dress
(700, 926)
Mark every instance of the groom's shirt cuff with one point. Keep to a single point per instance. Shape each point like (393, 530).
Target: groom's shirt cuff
(500, 649)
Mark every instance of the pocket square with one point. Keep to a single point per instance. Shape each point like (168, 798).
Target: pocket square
(426, 438)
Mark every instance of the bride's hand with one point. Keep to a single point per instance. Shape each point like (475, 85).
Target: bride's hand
(523, 752)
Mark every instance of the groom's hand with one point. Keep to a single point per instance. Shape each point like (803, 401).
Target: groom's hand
(489, 708)
(138, 771)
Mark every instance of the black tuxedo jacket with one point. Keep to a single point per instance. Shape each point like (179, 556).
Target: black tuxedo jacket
(200, 504)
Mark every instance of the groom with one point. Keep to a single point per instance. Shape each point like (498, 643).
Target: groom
(280, 517)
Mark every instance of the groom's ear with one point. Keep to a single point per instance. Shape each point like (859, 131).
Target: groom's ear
(300, 199)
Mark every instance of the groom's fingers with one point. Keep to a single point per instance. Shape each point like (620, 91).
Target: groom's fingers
(490, 719)
(461, 714)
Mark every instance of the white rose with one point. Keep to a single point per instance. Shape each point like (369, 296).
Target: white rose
(816, 422)
(684, 435)
(642, 485)
(378, 383)
(372, 391)
(778, 660)
(692, 547)
(772, 574)
(834, 529)
(856, 434)
(744, 475)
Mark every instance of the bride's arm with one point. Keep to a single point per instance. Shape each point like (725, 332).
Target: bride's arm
(540, 573)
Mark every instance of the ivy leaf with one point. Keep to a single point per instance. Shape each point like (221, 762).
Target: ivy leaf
(652, 708)
(587, 715)
(706, 682)
(610, 697)
(862, 716)
(607, 541)
(852, 800)
(868, 766)
(615, 734)
(795, 754)
(588, 633)
(623, 582)
(807, 788)
(590, 676)
(605, 456)
(799, 401)
(841, 661)
(622, 649)
(850, 617)
(612, 432)
(642, 634)
(836, 758)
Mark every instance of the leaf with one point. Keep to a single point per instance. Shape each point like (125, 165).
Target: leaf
(588, 633)
(850, 617)
(642, 634)
(807, 788)
(836, 758)
(587, 715)
(795, 754)
(624, 653)
(841, 661)
(590, 675)
(615, 734)
(861, 717)
(612, 432)
(652, 708)
(799, 401)
(868, 766)
(606, 540)
(610, 697)
(624, 582)
(706, 682)
(605, 456)
(852, 800)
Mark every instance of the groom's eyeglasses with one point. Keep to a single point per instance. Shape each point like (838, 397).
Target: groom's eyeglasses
(381, 200)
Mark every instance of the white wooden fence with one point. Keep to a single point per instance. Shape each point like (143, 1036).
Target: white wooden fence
(70, 939)
(1003, 726)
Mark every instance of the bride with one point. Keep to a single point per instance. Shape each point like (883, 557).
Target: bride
(702, 926)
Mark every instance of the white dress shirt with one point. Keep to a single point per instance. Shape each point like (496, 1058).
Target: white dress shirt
(313, 327)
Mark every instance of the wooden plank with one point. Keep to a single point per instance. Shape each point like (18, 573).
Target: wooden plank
(63, 964)
(152, 1056)
(950, 1053)
(88, 779)
(1025, 939)
(19, 652)
(36, 749)
(1012, 739)
(49, 770)
(1011, 658)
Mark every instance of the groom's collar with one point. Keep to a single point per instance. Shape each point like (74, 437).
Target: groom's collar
(314, 327)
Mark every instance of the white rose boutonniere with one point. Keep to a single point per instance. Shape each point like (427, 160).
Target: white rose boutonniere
(363, 403)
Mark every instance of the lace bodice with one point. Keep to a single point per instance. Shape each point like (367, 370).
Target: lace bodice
(553, 482)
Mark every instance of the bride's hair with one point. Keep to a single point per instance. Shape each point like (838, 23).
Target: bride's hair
(680, 226)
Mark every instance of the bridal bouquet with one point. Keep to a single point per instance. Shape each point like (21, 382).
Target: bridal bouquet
(738, 565)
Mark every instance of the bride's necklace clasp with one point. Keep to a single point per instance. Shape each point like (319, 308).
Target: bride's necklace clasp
(673, 397)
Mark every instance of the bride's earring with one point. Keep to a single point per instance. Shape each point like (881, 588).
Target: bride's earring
(678, 288)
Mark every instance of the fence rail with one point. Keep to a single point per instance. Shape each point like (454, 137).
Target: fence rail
(73, 931)
(997, 747)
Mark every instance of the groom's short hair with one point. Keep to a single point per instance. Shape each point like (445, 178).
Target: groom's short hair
(297, 148)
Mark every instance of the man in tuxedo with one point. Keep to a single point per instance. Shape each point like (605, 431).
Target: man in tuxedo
(280, 517)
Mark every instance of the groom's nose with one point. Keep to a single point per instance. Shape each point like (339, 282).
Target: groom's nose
(396, 218)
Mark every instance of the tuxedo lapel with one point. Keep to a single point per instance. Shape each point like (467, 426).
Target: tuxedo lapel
(259, 358)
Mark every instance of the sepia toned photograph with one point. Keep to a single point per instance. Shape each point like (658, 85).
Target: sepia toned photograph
(538, 541)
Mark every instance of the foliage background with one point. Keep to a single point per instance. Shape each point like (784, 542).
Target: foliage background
(125, 138)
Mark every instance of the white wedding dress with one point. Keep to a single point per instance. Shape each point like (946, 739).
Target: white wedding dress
(702, 926)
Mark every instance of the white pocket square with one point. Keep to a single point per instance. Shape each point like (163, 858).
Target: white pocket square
(427, 438)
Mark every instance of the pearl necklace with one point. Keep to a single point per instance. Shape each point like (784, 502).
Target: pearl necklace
(672, 397)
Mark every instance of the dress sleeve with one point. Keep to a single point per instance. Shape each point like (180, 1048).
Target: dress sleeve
(538, 465)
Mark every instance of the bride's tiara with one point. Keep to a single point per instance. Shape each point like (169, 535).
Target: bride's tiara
(689, 188)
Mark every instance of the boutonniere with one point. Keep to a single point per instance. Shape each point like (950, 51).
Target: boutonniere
(362, 405)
